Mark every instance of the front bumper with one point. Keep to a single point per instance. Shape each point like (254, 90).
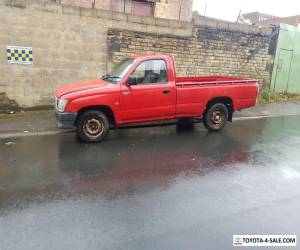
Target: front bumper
(65, 120)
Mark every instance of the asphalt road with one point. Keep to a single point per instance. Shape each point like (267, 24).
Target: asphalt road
(151, 188)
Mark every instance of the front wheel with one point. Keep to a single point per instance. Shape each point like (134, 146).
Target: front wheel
(216, 117)
(92, 126)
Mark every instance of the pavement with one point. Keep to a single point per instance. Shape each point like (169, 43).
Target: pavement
(34, 123)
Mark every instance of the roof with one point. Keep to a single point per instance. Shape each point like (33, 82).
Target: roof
(258, 14)
(291, 20)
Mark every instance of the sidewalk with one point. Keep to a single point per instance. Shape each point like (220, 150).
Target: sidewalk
(44, 123)
(28, 123)
(269, 110)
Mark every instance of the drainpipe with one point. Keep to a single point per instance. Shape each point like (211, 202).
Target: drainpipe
(297, 20)
(205, 9)
(179, 12)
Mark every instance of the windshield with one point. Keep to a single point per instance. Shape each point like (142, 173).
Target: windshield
(119, 71)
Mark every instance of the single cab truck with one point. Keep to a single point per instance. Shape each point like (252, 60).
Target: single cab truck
(146, 89)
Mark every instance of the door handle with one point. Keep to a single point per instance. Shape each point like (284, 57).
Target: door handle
(166, 91)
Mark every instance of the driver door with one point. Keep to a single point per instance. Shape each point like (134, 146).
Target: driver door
(151, 97)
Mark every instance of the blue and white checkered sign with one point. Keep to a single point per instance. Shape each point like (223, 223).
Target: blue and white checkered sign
(19, 55)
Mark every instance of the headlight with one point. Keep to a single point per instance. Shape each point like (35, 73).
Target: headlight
(61, 104)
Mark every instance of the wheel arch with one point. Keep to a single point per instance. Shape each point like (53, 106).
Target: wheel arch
(103, 108)
(227, 101)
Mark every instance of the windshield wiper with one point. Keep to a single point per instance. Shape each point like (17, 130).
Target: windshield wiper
(114, 77)
(110, 77)
(105, 77)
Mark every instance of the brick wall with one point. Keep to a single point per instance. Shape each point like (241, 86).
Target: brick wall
(208, 51)
(74, 44)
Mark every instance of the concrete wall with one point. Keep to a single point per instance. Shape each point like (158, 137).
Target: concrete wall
(69, 44)
(98, 4)
(73, 44)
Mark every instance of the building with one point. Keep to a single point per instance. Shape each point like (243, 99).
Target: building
(256, 17)
(291, 20)
(171, 9)
(265, 20)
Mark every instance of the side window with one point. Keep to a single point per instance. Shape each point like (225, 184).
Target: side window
(152, 71)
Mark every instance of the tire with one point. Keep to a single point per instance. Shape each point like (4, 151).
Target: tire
(92, 126)
(216, 117)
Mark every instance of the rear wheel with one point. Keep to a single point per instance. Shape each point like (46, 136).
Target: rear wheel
(92, 126)
(216, 117)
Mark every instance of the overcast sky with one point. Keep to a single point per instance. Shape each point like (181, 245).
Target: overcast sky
(229, 9)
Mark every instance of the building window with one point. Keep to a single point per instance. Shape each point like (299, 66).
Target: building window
(141, 8)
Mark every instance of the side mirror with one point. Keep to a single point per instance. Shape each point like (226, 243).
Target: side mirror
(131, 81)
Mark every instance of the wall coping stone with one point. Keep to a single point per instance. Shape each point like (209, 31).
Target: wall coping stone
(221, 24)
(124, 17)
(70, 10)
(88, 12)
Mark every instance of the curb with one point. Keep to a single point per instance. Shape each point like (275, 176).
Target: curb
(261, 116)
(39, 133)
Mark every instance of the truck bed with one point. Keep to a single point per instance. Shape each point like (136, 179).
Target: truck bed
(189, 81)
(194, 92)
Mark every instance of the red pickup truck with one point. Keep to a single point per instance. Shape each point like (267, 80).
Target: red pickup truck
(146, 89)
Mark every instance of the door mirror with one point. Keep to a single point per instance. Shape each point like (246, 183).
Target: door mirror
(132, 80)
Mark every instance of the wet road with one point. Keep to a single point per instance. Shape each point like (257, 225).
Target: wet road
(151, 188)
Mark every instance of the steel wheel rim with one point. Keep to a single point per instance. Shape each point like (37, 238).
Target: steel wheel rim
(93, 127)
(217, 118)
